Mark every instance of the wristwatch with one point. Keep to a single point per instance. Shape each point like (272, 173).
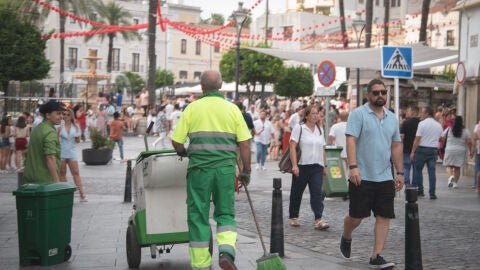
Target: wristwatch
(400, 173)
(351, 167)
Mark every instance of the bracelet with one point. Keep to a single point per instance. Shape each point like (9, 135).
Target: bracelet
(400, 173)
(351, 167)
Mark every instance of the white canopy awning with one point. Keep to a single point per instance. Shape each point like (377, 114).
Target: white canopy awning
(370, 58)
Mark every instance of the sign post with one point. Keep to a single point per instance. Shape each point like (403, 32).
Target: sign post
(326, 77)
(397, 63)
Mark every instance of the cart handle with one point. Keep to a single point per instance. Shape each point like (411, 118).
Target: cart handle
(146, 134)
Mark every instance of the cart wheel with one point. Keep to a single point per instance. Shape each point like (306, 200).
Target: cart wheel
(324, 195)
(345, 197)
(67, 253)
(134, 251)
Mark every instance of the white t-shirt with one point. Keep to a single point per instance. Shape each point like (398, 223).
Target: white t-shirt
(338, 132)
(175, 116)
(311, 143)
(475, 130)
(294, 121)
(267, 128)
(430, 132)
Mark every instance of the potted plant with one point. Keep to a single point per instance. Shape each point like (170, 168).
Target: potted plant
(101, 151)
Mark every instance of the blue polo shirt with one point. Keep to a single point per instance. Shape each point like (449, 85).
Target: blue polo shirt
(374, 140)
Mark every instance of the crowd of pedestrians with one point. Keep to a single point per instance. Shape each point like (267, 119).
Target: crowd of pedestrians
(422, 137)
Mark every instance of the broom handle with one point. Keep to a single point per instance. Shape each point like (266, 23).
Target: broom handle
(256, 220)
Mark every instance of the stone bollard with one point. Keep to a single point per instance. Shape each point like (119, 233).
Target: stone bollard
(276, 233)
(20, 178)
(413, 250)
(127, 195)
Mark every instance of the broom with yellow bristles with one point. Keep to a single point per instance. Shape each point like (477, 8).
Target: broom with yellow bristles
(268, 261)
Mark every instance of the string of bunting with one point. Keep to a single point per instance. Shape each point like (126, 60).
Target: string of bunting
(224, 38)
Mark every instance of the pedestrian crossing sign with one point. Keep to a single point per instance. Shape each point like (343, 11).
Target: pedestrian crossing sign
(397, 62)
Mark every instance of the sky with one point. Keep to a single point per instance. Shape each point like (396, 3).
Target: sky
(225, 7)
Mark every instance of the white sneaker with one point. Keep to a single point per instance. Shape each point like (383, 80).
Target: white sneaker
(263, 168)
(455, 185)
(450, 181)
(257, 167)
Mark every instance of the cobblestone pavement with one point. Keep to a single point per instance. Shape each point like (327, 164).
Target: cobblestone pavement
(449, 225)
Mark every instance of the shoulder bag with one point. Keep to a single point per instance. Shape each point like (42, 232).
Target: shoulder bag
(285, 163)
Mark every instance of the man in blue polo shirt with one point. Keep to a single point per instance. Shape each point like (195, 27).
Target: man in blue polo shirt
(373, 139)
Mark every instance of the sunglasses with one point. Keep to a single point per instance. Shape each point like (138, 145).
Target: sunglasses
(378, 92)
(66, 114)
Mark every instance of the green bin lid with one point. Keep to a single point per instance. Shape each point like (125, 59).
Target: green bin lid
(44, 189)
(333, 147)
(143, 155)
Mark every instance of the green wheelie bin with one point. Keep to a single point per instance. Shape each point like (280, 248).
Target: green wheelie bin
(335, 183)
(44, 216)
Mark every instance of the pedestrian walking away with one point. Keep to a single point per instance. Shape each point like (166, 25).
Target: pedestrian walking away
(408, 130)
(459, 142)
(373, 139)
(117, 127)
(214, 127)
(310, 168)
(425, 151)
(43, 153)
(69, 133)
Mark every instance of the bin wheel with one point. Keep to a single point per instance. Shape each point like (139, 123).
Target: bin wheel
(68, 253)
(134, 251)
(345, 197)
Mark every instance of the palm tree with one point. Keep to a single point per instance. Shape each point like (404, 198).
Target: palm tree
(152, 61)
(423, 25)
(368, 25)
(112, 14)
(341, 6)
(386, 4)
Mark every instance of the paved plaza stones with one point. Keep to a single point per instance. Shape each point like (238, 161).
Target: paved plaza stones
(449, 226)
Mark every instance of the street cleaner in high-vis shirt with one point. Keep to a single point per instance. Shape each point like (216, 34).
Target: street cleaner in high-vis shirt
(215, 128)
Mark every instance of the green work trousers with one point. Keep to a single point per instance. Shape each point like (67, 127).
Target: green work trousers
(203, 184)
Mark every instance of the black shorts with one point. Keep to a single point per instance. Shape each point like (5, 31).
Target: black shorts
(371, 196)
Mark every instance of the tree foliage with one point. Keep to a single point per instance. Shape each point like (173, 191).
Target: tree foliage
(296, 82)
(215, 19)
(255, 67)
(132, 81)
(22, 56)
(163, 78)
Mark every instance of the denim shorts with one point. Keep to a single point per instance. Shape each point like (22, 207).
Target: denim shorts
(376, 197)
(5, 142)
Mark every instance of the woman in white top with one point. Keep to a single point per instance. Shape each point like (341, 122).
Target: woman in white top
(310, 167)
(458, 142)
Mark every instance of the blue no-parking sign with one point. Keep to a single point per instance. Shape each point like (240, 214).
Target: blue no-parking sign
(397, 62)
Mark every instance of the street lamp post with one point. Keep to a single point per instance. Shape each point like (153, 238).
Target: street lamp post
(358, 25)
(72, 65)
(240, 17)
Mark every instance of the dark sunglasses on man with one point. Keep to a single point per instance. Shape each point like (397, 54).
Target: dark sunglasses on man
(378, 92)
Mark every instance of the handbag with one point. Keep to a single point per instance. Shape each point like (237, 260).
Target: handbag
(285, 163)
